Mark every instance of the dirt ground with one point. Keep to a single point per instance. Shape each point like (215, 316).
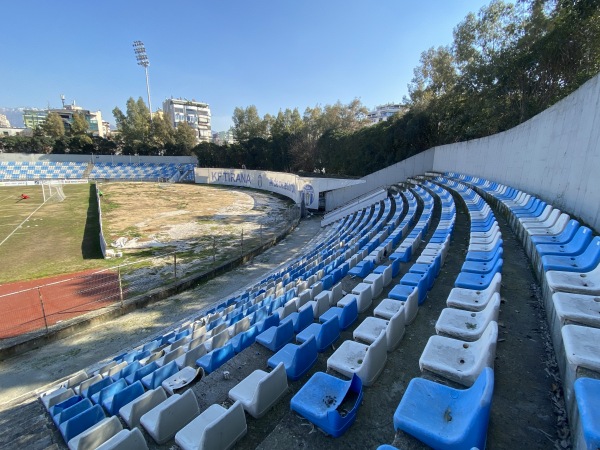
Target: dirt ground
(183, 217)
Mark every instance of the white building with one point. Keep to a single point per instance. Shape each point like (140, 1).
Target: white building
(384, 112)
(4, 123)
(196, 114)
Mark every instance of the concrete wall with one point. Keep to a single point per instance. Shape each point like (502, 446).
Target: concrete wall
(297, 188)
(555, 155)
(415, 165)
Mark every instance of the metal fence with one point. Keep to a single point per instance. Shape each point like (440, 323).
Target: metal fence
(39, 307)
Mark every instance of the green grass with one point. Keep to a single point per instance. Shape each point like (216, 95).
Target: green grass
(61, 237)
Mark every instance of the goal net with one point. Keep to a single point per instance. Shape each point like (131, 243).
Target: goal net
(53, 192)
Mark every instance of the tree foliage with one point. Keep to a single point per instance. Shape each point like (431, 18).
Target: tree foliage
(53, 126)
(79, 126)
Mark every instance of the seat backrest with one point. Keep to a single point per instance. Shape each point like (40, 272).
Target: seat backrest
(328, 330)
(133, 411)
(305, 353)
(97, 387)
(127, 370)
(581, 239)
(142, 372)
(222, 354)
(270, 321)
(322, 300)
(111, 390)
(488, 338)
(396, 327)
(591, 256)
(241, 326)
(190, 357)
(349, 314)
(159, 375)
(289, 308)
(220, 339)
(375, 357)
(116, 368)
(171, 356)
(73, 410)
(81, 422)
(94, 437)
(305, 317)
(126, 395)
(230, 421)
(480, 393)
(270, 387)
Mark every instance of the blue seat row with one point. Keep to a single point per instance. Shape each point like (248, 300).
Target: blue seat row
(565, 255)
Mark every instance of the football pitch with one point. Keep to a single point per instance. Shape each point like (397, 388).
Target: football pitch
(39, 240)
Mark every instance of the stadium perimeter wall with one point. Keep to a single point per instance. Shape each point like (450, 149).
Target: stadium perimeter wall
(554, 155)
(299, 189)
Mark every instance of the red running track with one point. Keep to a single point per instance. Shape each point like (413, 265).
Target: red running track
(63, 297)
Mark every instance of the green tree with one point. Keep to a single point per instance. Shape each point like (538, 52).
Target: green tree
(162, 133)
(433, 77)
(134, 126)
(79, 126)
(185, 139)
(53, 126)
(247, 124)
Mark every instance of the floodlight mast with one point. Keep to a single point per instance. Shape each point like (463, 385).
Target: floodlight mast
(142, 60)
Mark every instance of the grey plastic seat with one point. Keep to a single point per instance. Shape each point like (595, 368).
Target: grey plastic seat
(467, 325)
(376, 282)
(388, 307)
(260, 390)
(125, 440)
(320, 304)
(370, 328)
(364, 295)
(474, 300)
(216, 428)
(132, 412)
(458, 360)
(181, 379)
(170, 416)
(51, 398)
(188, 359)
(366, 361)
(96, 435)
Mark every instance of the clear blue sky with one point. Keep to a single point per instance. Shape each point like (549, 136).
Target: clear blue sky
(272, 54)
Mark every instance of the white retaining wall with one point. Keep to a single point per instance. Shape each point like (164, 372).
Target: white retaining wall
(415, 165)
(554, 155)
(297, 188)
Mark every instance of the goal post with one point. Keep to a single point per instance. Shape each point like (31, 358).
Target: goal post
(52, 190)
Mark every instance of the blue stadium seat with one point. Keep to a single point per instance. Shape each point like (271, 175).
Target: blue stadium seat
(447, 418)
(320, 397)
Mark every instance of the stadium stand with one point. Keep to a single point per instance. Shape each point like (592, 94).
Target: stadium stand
(56, 170)
(306, 299)
(40, 170)
(141, 171)
(569, 288)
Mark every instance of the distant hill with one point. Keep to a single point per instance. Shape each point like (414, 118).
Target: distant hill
(14, 116)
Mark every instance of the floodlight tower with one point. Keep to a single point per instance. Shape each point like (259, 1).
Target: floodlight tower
(142, 60)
